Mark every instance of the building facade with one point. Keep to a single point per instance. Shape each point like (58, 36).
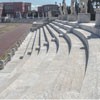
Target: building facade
(16, 9)
(43, 10)
(1, 9)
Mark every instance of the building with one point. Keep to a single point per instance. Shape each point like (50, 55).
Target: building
(43, 10)
(16, 9)
(1, 9)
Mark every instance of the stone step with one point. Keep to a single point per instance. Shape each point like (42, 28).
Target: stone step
(78, 44)
(92, 68)
(37, 46)
(62, 34)
(43, 41)
(61, 21)
(84, 41)
(73, 23)
(66, 27)
(46, 39)
(12, 66)
(52, 71)
(91, 81)
(48, 66)
(56, 74)
(54, 38)
(31, 45)
(51, 43)
(30, 66)
(34, 60)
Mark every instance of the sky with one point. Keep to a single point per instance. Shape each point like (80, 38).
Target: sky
(36, 3)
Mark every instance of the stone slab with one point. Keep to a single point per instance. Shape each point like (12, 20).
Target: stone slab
(83, 18)
(72, 17)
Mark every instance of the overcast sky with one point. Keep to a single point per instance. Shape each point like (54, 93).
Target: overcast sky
(36, 3)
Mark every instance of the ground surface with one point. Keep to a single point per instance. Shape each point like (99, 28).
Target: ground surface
(10, 33)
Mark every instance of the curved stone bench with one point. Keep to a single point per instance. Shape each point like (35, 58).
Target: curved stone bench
(61, 21)
(28, 43)
(54, 38)
(69, 28)
(73, 24)
(30, 52)
(46, 39)
(65, 36)
(39, 41)
(85, 42)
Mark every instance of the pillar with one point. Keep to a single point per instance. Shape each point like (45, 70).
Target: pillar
(97, 22)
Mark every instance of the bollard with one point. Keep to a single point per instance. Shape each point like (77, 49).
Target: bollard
(53, 39)
(16, 47)
(45, 44)
(9, 56)
(1, 64)
(13, 51)
(61, 35)
(18, 44)
(37, 48)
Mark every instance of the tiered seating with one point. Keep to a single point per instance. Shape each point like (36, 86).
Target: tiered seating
(55, 61)
(82, 38)
(46, 39)
(92, 68)
(54, 38)
(62, 34)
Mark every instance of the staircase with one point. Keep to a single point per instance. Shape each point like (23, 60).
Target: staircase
(57, 61)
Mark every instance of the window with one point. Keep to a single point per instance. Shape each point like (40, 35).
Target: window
(8, 7)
